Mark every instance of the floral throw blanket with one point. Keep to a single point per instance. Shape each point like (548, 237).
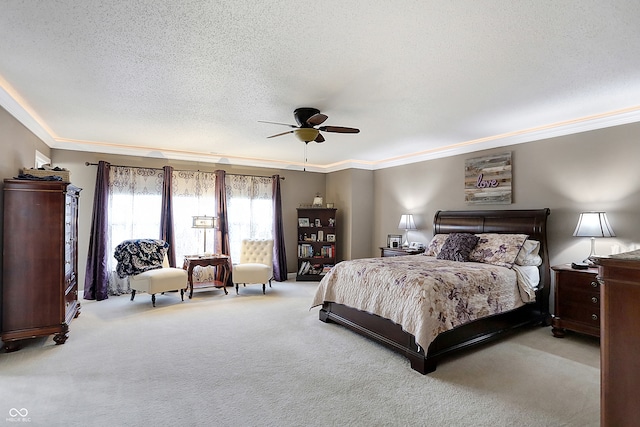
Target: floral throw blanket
(139, 255)
(424, 295)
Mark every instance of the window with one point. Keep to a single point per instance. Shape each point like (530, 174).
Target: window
(249, 210)
(135, 204)
(193, 195)
(135, 208)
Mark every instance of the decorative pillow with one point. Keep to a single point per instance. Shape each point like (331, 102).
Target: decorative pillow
(434, 247)
(139, 255)
(458, 246)
(498, 249)
(528, 255)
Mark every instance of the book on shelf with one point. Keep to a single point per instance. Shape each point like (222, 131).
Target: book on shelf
(325, 269)
(304, 268)
(305, 250)
(316, 269)
(327, 251)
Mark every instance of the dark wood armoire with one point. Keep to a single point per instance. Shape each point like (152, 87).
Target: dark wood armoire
(39, 268)
(620, 339)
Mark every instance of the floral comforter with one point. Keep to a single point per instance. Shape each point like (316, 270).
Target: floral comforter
(425, 295)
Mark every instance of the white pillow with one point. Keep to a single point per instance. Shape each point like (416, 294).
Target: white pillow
(528, 255)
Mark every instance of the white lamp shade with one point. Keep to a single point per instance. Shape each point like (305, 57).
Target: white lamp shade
(406, 222)
(204, 222)
(593, 224)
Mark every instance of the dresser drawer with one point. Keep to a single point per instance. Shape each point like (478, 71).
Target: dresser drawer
(71, 305)
(587, 297)
(578, 281)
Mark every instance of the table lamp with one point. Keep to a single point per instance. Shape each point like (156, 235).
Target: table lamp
(406, 224)
(204, 222)
(593, 224)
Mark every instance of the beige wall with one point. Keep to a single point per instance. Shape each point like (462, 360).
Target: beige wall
(596, 170)
(352, 192)
(18, 150)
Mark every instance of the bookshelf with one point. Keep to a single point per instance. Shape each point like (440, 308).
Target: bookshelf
(316, 242)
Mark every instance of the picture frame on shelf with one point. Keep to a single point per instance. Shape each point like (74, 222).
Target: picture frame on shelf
(394, 240)
(331, 237)
(303, 222)
(317, 222)
(320, 236)
(313, 238)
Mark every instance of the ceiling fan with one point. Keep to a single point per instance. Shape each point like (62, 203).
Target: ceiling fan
(308, 129)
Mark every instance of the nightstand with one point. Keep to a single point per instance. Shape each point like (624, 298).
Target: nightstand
(577, 301)
(384, 252)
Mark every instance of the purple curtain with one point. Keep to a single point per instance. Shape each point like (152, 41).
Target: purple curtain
(166, 217)
(279, 252)
(96, 279)
(222, 233)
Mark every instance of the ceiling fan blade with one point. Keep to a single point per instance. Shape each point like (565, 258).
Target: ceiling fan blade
(338, 129)
(319, 138)
(276, 123)
(317, 119)
(280, 134)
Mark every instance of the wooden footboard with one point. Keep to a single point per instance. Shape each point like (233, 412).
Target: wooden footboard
(390, 334)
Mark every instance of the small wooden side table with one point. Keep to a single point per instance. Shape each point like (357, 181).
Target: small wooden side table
(577, 301)
(385, 252)
(220, 262)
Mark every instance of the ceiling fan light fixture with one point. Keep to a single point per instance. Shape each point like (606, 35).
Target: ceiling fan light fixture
(306, 134)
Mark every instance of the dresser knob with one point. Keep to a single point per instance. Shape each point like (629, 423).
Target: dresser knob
(594, 317)
(594, 284)
(594, 300)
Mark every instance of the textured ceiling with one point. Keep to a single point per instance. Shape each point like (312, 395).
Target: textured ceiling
(421, 79)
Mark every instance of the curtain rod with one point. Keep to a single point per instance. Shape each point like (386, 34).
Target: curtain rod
(183, 170)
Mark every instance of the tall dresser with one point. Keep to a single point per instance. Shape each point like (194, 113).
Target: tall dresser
(40, 251)
(620, 339)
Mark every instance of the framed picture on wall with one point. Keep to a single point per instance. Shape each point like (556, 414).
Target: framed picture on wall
(394, 240)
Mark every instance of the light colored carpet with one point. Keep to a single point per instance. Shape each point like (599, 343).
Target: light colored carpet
(266, 360)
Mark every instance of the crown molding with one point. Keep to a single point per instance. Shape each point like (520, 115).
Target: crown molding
(9, 102)
(609, 119)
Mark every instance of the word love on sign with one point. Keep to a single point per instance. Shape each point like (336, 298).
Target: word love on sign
(487, 180)
(482, 183)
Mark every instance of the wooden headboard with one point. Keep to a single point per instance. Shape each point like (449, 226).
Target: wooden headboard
(532, 222)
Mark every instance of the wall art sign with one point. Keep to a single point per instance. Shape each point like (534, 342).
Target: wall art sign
(487, 180)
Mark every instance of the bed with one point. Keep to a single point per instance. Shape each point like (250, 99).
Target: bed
(475, 331)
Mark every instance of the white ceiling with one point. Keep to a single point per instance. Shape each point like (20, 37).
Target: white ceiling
(420, 78)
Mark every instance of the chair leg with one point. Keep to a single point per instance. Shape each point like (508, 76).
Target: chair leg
(236, 289)
(269, 282)
(182, 294)
(264, 289)
(153, 299)
(133, 294)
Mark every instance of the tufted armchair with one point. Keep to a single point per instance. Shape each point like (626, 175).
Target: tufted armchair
(256, 263)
